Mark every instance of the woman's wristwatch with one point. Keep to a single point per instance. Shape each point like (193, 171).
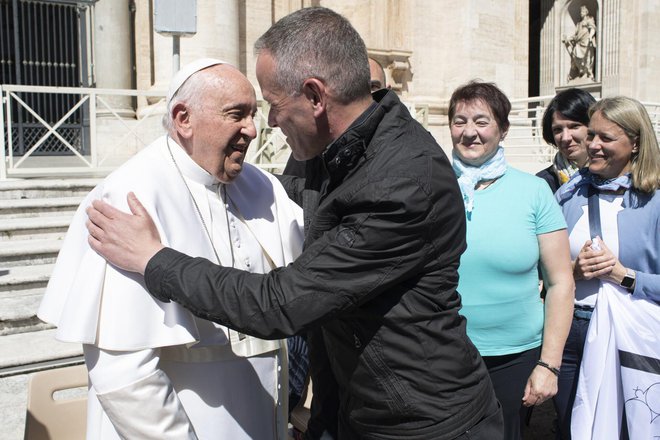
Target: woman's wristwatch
(628, 281)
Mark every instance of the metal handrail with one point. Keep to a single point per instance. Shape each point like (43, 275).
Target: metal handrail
(524, 140)
(9, 95)
(271, 151)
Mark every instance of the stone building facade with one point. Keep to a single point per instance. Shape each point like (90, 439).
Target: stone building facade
(528, 47)
(427, 47)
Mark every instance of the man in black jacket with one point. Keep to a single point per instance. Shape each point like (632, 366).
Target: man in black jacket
(375, 287)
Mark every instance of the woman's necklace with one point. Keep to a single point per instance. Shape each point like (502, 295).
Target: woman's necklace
(199, 212)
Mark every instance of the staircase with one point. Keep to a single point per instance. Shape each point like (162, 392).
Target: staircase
(34, 217)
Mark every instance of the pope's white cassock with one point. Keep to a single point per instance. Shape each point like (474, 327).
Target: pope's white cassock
(156, 371)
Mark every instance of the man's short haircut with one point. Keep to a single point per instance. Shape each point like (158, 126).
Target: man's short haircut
(572, 104)
(318, 43)
(489, 94)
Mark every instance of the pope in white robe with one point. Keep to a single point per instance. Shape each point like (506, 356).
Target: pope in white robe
(156, 371)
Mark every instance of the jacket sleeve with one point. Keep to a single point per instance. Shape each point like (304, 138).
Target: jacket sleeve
(639, 245)
(383, 236)
(136, 395)
(647, 286)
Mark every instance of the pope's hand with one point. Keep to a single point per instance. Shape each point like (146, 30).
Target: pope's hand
(124, 240)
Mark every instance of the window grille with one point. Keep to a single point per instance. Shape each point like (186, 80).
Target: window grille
(44, 43)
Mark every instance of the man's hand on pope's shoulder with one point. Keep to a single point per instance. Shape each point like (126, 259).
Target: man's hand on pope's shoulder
(124, 240)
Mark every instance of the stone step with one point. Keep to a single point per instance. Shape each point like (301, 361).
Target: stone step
(17, 253)
(34, 217)
(21, 278)
(22, 208)
(30, 228)
(21, 291)
(45, 188)
(20, 326)
(18, 309)
(34, 347)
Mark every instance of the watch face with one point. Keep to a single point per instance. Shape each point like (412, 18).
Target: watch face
(627, 282)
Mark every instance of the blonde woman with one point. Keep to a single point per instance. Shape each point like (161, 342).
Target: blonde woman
(623, 178)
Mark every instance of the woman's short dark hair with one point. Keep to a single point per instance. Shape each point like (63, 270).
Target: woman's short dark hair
(487, 92)
(572, 104)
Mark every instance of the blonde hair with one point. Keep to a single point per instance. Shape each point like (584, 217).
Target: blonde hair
(632, 117)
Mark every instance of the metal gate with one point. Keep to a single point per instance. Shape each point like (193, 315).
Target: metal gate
(44, 43)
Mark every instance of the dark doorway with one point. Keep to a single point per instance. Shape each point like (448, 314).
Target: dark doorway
(45, 44)
(534, 68)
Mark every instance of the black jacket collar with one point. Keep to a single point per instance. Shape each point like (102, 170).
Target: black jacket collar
(345, 152)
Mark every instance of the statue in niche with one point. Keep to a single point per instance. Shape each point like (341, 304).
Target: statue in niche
(582, 47)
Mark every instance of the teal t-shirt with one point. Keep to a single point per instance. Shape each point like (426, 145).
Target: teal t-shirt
(498, 272)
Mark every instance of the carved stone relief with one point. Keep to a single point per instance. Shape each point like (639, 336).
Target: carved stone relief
(396, 64)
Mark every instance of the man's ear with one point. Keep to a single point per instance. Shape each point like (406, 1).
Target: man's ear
(181, 119)
(315, 92)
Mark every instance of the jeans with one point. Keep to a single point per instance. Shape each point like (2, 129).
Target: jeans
(568, 378)
(298, 369)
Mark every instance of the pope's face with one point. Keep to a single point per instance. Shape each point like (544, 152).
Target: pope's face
(223, 125)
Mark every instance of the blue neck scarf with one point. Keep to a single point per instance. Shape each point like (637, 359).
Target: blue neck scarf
(585, 177)
(469, 176)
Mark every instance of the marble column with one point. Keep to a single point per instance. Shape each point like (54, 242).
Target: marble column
(112, 54)
(549, 68)
(615, 79)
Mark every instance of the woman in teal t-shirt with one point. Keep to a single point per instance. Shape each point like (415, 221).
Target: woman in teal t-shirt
(513, 222)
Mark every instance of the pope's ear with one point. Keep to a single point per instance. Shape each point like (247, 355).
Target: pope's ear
(181, 120)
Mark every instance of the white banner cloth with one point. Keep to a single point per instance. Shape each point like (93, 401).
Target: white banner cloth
(620, 368)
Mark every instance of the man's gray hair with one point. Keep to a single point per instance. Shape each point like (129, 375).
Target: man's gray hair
(318, 43)
(191, 93)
